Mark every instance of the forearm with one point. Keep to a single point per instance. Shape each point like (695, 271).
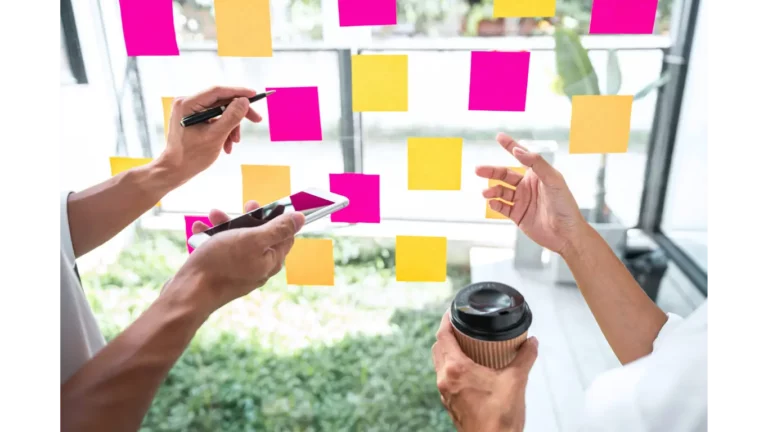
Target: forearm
(114, 390)
(628, 318)
(100, 212)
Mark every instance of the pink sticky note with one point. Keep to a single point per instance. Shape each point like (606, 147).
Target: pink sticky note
(294, 114)
(367, 12)
(363, 193)
(148, 27)
(303, 201)
(623, 16)
(189, 221)
(498, 81)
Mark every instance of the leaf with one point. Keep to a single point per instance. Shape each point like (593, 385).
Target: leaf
(573, 65)
(645, 91)
(613, 73)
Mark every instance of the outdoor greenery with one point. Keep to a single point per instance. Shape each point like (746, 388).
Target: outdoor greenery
(351, 357)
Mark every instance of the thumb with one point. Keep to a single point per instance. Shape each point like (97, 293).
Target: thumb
(233, 115)
(548, 174)
(279, 229)
(526, 356)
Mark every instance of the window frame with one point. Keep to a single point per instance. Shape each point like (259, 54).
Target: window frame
(662, 146)
(72, 43)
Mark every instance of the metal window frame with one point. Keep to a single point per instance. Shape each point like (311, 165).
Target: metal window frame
(662, 146)
(72, 43)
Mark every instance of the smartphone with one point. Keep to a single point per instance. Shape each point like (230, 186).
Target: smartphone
(314, 203)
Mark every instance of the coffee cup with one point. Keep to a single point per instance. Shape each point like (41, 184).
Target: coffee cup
(490, 321)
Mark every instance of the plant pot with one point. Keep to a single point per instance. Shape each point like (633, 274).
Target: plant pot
(613, 232)
(491, 27)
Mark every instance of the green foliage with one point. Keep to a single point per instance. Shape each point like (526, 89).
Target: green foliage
(351, 357)
(574, 67)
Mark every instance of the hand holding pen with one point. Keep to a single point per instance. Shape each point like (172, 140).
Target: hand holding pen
(210, 113)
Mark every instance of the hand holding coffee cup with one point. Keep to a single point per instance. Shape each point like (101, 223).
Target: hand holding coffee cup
(490, 321)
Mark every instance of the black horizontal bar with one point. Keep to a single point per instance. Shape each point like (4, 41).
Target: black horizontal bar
(688, 266)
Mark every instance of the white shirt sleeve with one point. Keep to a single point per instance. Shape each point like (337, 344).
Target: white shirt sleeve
(66, 239)
(663, 391)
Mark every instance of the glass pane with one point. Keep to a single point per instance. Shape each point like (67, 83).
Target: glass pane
(438, 100)
(219, 186)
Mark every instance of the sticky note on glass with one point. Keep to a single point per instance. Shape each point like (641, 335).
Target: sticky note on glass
(167, 106)
(623, 16)
(243, 28)
(189, 221)
(265, 183)
(148, 28)
(118, 164)
(379, 83)
(294, 114)
(523, 8)
(600, 124)
(491, 213)
(310, 262)
(498, 80)
(363, 191)
(421, 259)
(434, 163)
(367, 12)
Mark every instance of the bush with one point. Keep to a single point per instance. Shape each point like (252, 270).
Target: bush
(351, 357)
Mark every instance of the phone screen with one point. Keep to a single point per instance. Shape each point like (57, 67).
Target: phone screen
(304, 202)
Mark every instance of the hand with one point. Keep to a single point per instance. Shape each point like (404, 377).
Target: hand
(480, 399)
(235, 262)
(544, 207)
(190, 150)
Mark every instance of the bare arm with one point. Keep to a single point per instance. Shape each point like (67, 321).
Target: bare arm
(113, 391)
(100, 212)
(628, 318)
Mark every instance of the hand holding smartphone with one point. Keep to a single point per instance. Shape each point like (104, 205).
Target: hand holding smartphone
(314, 203)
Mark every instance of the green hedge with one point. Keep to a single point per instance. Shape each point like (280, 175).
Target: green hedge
(351, 357)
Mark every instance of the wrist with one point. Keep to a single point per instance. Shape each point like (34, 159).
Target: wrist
(574, 243)
(168, 170)
(189, 292)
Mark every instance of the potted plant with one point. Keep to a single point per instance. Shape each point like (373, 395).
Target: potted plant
(577, 76)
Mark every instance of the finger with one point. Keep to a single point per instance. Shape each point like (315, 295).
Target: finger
(447, 341)
(215, 96)
(507, 142)
(217, 217)
(228, 145)
(501, 207)
(500, 191)
(283, 248)
(253, 116)
(499, 173)
(251, 206)
(235, 134)
(438, 357)
(278, 229)
(526, 356)
(232, 117)
(199, 227)
(548, 175)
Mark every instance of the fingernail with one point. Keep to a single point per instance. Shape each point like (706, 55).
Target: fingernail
(298, 220)
(521, 150)
(535, 341)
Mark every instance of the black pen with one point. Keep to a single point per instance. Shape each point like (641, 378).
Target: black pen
(208, 114)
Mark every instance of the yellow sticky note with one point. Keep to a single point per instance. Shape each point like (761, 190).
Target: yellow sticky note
(265, 183)
(243, 28)
(421, 259)
(167, 106)
(119, 164)
(310, 262)
(434, 163)
(379, 83)
(491, 213)
(600, 124)
(523, 8)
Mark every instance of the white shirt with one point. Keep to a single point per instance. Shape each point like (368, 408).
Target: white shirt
(663, 391)
(80, 334)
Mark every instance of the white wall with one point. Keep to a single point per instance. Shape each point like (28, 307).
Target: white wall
(686, 203)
